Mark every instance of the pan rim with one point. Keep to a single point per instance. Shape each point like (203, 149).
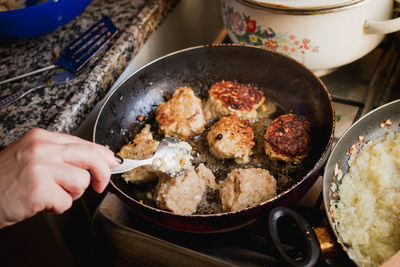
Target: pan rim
(317, 166)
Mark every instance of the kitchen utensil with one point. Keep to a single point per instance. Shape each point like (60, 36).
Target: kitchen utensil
(370, 126)
(322, 35)
(59, 78)
(282, 80)
(167, 159)
(40, 18)
(76, 54)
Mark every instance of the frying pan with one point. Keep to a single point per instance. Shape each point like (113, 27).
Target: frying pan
(368, 126)
(288, 83)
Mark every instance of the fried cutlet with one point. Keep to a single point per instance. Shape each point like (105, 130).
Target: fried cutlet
(142, 146)
(231, 138)
(228, 97)
(244, 188)
(182, 194)
(182, 115)
(288, 138)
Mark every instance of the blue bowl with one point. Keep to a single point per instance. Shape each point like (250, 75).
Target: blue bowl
(40, 18)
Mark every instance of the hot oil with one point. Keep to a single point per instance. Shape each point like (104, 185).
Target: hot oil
(286, 174)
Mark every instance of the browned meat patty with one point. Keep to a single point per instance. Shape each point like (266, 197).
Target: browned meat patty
(231, 138)
(227, 97)
(182, 194)
(243, 188)
(142, 146)
(288, 138)
(182, 115)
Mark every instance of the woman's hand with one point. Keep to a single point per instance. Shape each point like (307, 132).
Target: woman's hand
(46, 171)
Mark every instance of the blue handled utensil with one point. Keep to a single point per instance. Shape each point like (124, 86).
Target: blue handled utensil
(59, 78)
(75, 55)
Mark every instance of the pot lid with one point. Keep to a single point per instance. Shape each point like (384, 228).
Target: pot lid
(303, 4)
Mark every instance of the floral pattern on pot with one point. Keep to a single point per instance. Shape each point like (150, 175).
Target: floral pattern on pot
(247, 30)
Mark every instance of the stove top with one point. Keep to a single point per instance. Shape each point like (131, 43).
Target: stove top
(125, 238)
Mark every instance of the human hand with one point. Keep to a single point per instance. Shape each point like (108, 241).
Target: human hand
(46, 171)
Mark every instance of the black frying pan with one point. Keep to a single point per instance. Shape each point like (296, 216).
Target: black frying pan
(293, 87)
(368, 126)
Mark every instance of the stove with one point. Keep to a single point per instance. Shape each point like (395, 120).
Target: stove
(124, 238)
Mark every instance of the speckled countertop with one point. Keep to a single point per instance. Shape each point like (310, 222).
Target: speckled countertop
(63, 107)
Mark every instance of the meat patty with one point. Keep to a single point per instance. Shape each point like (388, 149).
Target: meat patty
(142, 146)
(288, 138)
(243, 188)
(182, 115)
(231, 138)
(227, 97)
(182, 194)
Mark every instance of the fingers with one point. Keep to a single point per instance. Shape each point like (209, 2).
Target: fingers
(72, 150)
(53, 188)
(38, 134)
(72, 179)
(93, 158)
(58, 200)
(48, 171)
(41, 187)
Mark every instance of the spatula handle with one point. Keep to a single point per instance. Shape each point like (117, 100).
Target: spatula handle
(129, 164)
(11, 98)
(28, 74)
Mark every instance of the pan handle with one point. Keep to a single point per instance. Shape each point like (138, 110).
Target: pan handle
(293, 229)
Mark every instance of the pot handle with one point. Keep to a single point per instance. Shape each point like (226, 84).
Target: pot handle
(284, 217)
(382, 27)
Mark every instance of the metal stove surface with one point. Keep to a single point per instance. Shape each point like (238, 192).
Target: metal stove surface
(124, 238)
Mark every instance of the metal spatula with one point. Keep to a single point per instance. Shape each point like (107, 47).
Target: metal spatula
(172, 157)
(78, 52)
(59, 78)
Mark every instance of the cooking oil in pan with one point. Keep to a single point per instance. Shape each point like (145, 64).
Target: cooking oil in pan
(286, 174)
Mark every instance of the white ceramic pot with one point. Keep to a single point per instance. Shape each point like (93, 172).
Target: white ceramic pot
(321, 34)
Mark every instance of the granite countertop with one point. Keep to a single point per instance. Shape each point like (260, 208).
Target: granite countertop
(63, 107)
